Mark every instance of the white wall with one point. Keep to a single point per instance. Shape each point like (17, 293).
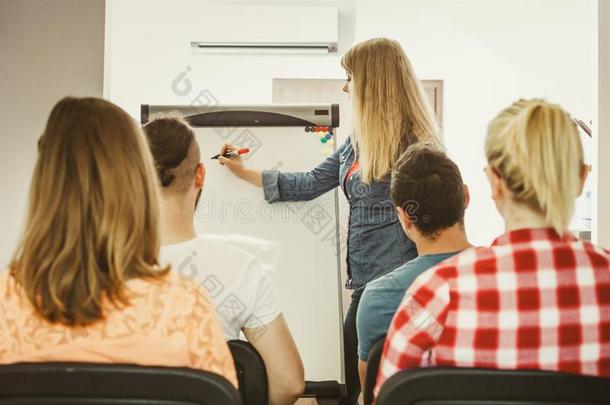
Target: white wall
(489, 53)
(157, 50)
(49, 49)
(601, 168)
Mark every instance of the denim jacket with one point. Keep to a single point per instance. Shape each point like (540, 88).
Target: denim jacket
(376, 243)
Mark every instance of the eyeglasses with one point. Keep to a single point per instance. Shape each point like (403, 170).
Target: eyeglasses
(583, 125)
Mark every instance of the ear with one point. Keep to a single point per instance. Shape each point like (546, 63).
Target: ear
(495, 183)
(466, 196)
(199, 176)
(584, 174)
(404, 219)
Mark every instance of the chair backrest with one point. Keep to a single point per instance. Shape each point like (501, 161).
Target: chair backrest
(460, 386)
(112, 384)
(372, 367)
(251, 373)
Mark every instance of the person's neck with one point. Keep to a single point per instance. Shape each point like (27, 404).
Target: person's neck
(177, 220)
(452, 239)
(518, 216)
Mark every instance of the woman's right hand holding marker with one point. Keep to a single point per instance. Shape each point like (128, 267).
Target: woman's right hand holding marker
(237, 167)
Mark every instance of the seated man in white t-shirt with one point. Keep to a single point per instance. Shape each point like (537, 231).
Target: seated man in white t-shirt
(241, 290)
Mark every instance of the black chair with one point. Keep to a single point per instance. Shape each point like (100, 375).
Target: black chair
(461, 386)
(112, 384)
(251, 373)
(325, 392)
(253, 383)
(372, 367)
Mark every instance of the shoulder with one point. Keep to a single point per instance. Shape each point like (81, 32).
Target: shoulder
(9, 288)
(220, 246)
(216, 255)
(389, 281)
(374, 298)
(185, 294)
(386, 291)
(346, 145)
(5, 279)
(598, 256)
(445, 274)
(372, 292)
(238, 265)
(172, 284)
(468, 259)
(542, 254)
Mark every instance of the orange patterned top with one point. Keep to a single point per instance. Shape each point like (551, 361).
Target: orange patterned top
(167, 323)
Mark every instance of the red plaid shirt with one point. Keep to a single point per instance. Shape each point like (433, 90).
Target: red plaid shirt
(533, 300)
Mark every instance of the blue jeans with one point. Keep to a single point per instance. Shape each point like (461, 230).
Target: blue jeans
(350, 350)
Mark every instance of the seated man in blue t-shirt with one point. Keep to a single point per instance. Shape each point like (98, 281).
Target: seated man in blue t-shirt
(430, 199)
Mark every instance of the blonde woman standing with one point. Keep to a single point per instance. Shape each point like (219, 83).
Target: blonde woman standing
(85, 284)
(390, 113)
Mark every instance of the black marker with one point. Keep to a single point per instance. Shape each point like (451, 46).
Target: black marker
(232, 154)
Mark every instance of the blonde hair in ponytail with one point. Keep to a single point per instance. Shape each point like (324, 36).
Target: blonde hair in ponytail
(535, 147)
(389, 107)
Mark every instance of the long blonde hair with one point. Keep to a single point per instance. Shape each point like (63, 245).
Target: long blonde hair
(92, 222)
(388, 105)
(535, 147)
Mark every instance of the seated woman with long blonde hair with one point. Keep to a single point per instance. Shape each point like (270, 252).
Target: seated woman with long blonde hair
(85, 284)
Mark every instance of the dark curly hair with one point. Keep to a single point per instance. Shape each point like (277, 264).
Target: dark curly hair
(429, 187)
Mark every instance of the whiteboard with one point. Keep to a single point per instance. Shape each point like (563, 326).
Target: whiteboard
(307, 279)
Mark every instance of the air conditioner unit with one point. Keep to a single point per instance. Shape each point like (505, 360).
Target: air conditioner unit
(266, 29)
(265, 47)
